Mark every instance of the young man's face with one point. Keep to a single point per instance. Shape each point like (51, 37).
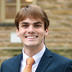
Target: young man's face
(32, 32)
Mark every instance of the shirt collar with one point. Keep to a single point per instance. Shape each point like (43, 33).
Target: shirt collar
(37, 57)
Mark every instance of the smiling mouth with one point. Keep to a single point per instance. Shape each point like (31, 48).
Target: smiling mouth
(31, 37)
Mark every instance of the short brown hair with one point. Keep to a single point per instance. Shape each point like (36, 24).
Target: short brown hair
(33, 11)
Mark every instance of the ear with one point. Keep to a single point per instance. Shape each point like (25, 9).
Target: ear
(46, 32)
(17, 32)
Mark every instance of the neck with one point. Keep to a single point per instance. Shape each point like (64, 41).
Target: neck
(30, 51)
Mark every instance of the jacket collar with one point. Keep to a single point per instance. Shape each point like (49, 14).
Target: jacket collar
(45, 61)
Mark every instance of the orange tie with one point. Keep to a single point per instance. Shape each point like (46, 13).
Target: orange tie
(29, 63)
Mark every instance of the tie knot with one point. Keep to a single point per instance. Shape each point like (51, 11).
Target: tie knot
(30, 61)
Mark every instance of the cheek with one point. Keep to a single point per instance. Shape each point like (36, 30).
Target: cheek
(20, 34)
(22, 31)
(42, 34)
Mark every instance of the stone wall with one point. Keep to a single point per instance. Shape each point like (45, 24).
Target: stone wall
(60, 16)
(59, 38)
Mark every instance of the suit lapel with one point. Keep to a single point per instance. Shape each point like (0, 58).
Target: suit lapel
(17, 64)
(45, 61)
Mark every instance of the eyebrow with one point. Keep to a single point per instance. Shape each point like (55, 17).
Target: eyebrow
(25, 23)
(37, 23)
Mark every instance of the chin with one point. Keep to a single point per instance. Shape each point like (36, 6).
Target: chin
(31, 45)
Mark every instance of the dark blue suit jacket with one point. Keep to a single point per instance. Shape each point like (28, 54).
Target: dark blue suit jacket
(50, 62)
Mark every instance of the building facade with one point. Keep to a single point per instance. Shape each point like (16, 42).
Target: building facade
(8, 9)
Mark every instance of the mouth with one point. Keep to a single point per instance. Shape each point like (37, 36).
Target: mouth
(31, 36)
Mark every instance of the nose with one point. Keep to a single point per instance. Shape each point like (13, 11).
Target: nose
(31, 29)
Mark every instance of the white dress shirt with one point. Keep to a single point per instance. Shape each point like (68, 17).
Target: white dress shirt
(37, 58)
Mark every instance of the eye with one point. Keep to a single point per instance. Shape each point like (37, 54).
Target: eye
(25, 25)
(37, 25)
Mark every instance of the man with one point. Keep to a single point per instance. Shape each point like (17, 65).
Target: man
(32, 26)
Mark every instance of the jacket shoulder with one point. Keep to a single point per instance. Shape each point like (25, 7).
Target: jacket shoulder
(57, 57)
(13, 59)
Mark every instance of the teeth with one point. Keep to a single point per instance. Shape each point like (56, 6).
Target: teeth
(31, 36)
